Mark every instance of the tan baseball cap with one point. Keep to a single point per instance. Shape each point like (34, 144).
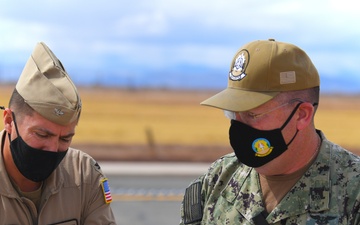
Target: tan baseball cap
(47, 88)
(261, 70)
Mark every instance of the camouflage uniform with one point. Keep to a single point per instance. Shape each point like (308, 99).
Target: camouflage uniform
(230, 193)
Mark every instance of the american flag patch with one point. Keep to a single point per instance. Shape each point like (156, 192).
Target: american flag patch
(106, 190)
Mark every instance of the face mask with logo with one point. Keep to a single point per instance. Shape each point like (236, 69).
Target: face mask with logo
(255, 147)
(34, 164)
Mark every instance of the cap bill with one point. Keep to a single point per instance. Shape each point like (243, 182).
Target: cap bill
(238, 100)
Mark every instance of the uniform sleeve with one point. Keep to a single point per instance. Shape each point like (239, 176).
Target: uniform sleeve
(192, 205)
(98, 210)
(354, 189)
(355, 213)
(196, 196)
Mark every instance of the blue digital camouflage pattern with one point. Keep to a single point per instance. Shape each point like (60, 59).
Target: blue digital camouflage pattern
(229, 193)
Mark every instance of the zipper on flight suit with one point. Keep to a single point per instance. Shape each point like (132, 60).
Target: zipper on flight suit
(29, 209)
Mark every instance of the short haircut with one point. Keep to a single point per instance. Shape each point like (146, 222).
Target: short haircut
(311, 95)
(18, 105)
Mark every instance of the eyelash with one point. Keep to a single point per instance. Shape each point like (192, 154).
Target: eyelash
(41, 135)
(66, 140)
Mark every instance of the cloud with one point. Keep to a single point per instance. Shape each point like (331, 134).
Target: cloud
(167, 34)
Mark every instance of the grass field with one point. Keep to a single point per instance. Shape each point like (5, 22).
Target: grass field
(116, 117)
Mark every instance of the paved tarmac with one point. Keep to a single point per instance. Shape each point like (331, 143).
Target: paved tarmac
(149, 193)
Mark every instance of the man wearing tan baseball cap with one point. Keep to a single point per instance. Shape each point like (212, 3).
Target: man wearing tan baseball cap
(44, 180)
(283, 170)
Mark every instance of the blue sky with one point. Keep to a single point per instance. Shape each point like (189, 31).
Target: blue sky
(177, 43)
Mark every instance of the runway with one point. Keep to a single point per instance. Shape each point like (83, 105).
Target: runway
(149, 193)
(153, 168)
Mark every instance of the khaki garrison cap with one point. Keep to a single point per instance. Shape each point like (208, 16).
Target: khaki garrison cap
(47, 88)
(260, 70)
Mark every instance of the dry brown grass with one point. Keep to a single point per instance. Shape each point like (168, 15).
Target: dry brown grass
(146, 119)
(176, 117)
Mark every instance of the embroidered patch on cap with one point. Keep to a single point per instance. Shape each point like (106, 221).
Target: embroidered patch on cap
(106, 190)
(288, 77)
(238, 70)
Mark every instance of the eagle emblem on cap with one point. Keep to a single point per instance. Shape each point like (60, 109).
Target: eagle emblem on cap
(58, 112)
(238, 71)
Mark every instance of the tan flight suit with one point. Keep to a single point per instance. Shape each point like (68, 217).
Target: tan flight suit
(71, 195)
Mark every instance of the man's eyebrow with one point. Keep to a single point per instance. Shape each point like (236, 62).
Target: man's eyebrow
(68, 135)
(52, 134)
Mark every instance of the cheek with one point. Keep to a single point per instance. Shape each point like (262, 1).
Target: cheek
(244, 118)
(64, 146)
(33, 142)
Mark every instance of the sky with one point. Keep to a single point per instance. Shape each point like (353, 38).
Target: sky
(177, 43)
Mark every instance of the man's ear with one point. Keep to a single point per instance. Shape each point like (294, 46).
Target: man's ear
(8, 119)
(305, 115)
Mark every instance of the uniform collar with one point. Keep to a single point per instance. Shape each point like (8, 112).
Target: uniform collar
(311, 194)
(313, 185)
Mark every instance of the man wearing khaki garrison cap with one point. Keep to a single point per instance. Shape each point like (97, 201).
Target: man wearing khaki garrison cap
(43, 179)
(283, 170)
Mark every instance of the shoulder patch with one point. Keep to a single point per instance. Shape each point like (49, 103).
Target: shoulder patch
(192, 203)
(106, 190)
(96, 165)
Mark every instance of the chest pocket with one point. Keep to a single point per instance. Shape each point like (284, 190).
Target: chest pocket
(67, 222)
(323, 219)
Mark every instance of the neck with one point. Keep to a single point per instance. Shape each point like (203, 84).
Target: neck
(14, 174)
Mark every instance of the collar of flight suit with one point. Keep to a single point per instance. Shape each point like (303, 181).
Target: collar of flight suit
(310, 194)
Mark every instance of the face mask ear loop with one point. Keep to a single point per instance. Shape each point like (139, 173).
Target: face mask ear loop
(292, 138)
(287, 121)
(16, 128)
(291, 115)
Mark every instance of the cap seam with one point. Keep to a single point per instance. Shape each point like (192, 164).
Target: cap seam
(268, 80)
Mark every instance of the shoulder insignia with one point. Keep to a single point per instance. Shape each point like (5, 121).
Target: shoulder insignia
(97, 166)
(106, 190)
(192, 203)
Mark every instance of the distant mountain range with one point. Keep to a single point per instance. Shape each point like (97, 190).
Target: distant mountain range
(187, 77)
(199, 79)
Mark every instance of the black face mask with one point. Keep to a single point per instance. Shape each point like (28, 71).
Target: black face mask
(34, 164)
(255, 147)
